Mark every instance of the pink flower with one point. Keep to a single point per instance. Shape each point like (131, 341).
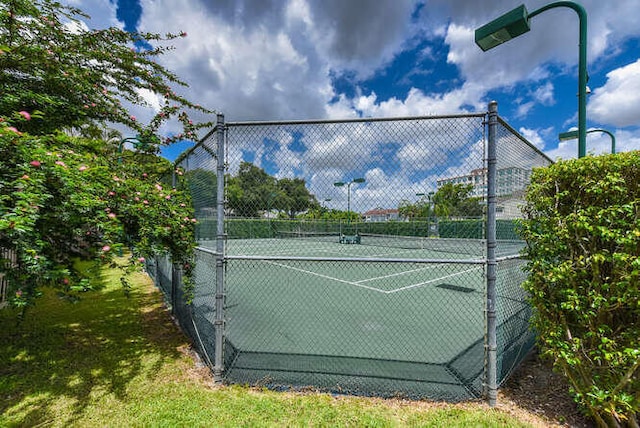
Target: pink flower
(145, 202)
(168, 197)
(82, 168)
(111, 215)
(115, 178)
(141, 259)
(61, 163)
(106, 248)
(35, 163)
(19, 293)
(65, 281)
(183, 34)
(144, 175)
(159, 187)
(14, 129)
(25, 177)
(111, 193)
(25, 114)
(132, 117)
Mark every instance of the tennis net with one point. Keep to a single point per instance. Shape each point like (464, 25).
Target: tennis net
(450, 246)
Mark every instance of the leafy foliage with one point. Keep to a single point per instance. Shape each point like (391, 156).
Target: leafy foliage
(293, 196)
(583, 232)
(420, 209)
(66, 76)
(252, 190)
(64, 198)
(454, 200)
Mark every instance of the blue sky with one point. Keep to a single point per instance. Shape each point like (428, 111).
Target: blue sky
(301, 59)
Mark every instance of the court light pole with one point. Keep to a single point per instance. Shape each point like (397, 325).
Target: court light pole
(572, 135)
(135, 142)
(348, 184)
(515, 23)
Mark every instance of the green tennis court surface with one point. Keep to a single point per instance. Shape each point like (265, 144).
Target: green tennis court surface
(401, 311)
(290, 315)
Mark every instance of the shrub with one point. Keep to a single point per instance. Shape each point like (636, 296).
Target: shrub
(582, 230)
(65, 198)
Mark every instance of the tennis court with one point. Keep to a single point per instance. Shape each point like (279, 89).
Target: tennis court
(313, 296)
(411, 302)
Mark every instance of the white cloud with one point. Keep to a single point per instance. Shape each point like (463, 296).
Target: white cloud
(618, 101)
(274, 59)
(416, 103)
(533, 136)
(102, 13)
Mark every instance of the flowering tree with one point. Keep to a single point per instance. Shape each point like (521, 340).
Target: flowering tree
(66, 198)
(66, 76)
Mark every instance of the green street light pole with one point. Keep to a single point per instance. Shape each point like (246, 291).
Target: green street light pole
(342, 183)
(572, 135)
(515, 23)
(121, 146)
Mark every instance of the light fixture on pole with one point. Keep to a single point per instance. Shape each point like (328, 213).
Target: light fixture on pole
(348, 184)
(515, 23)
(572, 135)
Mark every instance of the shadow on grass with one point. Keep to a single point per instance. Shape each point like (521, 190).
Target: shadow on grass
(77, 353)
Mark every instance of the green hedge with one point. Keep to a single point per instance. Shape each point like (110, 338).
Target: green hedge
(258, 228)
(583, 235)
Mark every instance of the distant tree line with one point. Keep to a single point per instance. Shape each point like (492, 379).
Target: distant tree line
(451, 201)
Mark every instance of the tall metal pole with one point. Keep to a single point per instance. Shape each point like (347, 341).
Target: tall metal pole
(491, 340)
(218, 366)
(349, 204)
(582, 69)
(515, 23)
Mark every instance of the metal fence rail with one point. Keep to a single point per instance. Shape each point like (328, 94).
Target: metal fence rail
(369, 256)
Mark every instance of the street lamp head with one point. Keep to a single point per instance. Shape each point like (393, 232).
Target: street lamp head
(508, 26)
(338, 184)
(358, 180)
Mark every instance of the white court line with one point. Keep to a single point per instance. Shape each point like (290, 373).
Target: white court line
(432, 280)
(398, 274)
(359, 285)
(355, 284)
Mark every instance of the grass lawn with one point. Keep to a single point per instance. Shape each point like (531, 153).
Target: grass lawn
(110, 360)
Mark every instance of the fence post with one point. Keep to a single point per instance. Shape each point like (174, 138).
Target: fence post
(218, 366)
(176, 282)
(491, 347)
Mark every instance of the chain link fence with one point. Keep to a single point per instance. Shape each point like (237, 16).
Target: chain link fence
(370, 256)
